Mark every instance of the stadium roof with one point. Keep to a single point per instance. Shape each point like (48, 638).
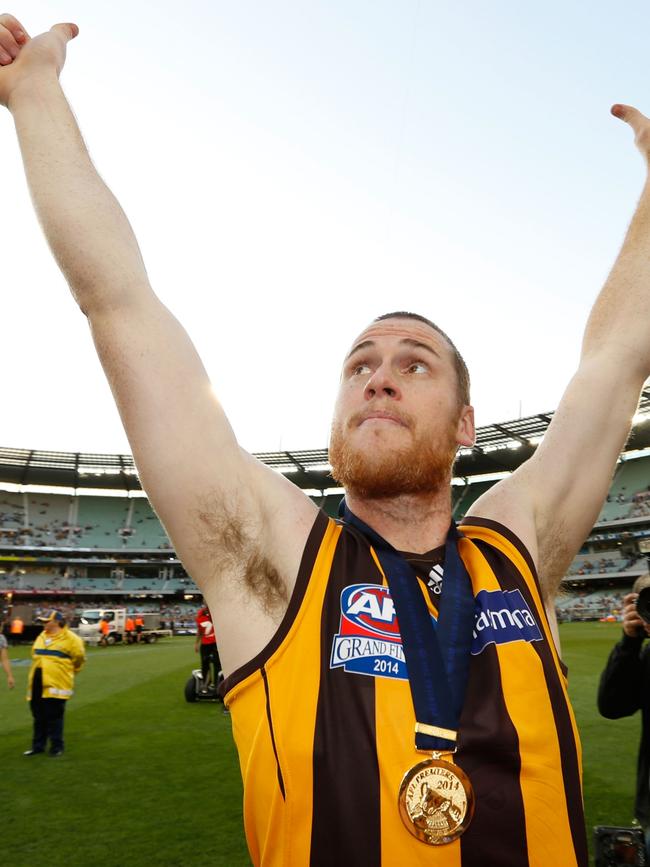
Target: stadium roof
(499, 447)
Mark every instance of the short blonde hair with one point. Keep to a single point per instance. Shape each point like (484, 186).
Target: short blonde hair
(641, 583)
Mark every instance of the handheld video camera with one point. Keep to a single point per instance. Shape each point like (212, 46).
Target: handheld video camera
(643, 605)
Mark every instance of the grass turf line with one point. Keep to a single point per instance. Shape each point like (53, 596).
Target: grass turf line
(149, 779)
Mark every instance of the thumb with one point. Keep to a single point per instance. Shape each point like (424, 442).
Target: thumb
(67, 31)
(629, 114)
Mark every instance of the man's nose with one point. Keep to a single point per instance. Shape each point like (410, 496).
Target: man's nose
(382, 383)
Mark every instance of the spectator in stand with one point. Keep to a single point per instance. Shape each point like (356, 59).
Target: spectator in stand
(625, 688)
(57, 654)
(206, 641)
(4, 661)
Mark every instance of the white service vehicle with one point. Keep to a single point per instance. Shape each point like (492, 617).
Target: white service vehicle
(89, 629)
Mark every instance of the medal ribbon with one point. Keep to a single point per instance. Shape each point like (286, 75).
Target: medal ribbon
(437, 659)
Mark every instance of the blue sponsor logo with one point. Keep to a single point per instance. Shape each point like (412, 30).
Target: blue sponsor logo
(502, 616)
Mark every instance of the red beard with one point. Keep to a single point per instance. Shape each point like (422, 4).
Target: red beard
(420, 468)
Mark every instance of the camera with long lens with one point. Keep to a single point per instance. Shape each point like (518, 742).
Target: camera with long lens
(643, 605)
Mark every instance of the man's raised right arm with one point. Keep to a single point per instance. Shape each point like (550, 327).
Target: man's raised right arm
(199, 480)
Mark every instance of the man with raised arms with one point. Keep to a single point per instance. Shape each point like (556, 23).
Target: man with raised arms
(395, 686)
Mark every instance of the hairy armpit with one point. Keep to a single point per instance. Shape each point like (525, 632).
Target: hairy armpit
(554, 558)
(232, 544)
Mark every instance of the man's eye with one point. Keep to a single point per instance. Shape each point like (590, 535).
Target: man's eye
(360, 369)
(417, 367)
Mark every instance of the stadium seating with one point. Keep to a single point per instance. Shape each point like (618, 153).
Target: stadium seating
(600, 562)
(329, 504)
(467, 496)
(56, 520)
(148, 531)
(34, 581)
(631, 479)
(595, 605)
(124, 527)
(129, 523)
(101, 519)
(96, 585)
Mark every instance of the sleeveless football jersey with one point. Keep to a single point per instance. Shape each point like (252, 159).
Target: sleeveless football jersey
(324, 724)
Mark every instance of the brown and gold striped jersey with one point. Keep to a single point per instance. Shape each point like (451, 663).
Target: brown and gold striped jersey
(324, 724)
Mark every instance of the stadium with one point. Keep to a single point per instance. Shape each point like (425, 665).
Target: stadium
(77, 532)
(290, 170)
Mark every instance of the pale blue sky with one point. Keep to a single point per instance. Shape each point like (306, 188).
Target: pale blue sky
(293, 169)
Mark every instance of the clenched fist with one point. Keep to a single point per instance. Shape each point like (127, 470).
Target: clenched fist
(23, 59)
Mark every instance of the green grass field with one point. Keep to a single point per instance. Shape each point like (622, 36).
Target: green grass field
(149, 779)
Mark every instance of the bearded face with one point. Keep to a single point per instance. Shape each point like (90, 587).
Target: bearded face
(421, 464)
(398, 420)
(399, 415)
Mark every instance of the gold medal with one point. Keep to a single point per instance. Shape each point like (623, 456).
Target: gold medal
(436, 801)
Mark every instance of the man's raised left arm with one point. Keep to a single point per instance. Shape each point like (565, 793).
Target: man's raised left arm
(552, 501)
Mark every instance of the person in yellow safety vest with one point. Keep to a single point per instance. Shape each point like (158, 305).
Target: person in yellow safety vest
(139, 626)
(57, 655)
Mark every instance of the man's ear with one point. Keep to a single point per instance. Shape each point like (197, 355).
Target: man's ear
(466, 431)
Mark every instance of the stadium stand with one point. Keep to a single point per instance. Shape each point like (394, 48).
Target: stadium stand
(605, 604)
(75, 549)
(468, 494)
(55, 520)
(630, 480)
(606, 561)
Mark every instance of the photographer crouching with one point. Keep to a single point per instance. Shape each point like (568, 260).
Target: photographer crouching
(625, 687)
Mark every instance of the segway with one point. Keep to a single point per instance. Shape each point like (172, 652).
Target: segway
(196, 691)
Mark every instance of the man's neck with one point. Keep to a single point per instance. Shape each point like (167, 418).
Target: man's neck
(411, 522)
